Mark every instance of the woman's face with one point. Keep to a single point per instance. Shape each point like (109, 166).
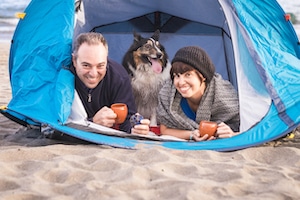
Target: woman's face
(190, 85)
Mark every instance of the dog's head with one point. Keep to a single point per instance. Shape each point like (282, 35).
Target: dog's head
(145, 54)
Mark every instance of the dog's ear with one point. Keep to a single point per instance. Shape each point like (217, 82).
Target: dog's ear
(155, 35)
(137, 37)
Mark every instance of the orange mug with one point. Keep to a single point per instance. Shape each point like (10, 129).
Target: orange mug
(208, 127)
(121, 110)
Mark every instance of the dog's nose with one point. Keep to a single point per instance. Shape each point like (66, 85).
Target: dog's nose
(159, 55)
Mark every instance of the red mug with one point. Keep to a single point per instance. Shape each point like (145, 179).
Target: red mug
(121, 110)
(208, 127)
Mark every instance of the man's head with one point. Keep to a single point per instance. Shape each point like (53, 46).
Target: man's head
(90, 58)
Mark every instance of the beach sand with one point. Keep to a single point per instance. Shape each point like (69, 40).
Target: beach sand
(34, 167)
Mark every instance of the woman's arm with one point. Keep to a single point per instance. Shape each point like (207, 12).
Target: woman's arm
(184, 134)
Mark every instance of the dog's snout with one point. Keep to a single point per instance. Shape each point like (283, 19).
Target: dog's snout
(159, 55)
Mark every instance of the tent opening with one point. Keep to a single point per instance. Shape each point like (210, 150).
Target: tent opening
(175, 33)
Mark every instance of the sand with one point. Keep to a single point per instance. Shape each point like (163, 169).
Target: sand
(34, 167)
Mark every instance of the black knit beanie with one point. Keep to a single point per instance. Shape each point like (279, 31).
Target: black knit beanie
(198, 59)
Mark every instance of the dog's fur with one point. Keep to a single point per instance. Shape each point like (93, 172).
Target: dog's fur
(139, 62)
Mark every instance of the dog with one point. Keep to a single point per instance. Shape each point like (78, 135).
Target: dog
(146, 61)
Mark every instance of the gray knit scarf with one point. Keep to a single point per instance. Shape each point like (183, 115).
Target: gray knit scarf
(219, 103)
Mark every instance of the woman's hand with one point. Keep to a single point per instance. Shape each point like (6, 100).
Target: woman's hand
(224, 131)
(195, 135)
(142, 128)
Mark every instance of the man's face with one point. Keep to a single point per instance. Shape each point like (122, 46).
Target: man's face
(90, 64)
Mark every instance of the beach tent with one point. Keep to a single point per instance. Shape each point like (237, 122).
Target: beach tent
(251, 42)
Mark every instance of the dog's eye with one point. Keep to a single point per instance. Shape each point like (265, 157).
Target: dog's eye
(148, 46)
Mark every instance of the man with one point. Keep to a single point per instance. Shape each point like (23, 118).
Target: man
(100, 82)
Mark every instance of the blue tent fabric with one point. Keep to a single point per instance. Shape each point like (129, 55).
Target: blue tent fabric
(250, 42)
(40, 51)
(270, 44)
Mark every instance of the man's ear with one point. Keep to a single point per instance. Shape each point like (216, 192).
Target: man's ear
(74, 59)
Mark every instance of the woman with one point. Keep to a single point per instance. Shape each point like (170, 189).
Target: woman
(195, 93)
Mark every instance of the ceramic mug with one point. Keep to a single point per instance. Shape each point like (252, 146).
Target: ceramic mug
(121, 110)
(207, 127)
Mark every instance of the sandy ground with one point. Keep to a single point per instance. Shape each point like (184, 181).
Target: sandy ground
(34, 167)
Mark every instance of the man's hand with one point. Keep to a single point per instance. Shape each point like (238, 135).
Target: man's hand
(142, 128)
(105, 117)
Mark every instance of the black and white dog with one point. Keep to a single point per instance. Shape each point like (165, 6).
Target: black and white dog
(147, 63)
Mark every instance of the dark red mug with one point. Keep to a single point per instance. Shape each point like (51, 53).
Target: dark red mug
(207, 127)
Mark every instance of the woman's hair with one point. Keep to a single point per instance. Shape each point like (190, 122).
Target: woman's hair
(91, 38)
(197, 58)
(181, 68)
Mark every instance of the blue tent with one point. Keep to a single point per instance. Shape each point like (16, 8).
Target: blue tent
(251, 42)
